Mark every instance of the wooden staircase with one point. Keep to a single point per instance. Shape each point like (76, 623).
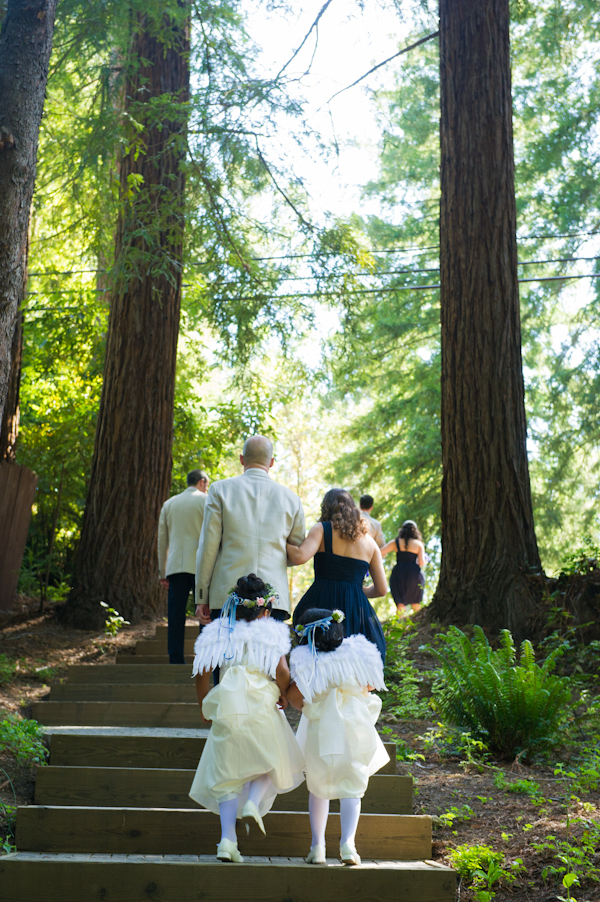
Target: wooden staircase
(113, 821)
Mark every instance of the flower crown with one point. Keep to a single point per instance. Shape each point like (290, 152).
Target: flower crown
(337, 616)
(270, 597)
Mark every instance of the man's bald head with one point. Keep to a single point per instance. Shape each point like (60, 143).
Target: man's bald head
(258, 451)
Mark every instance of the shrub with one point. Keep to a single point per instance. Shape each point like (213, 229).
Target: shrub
(402, 678)
(23, 740)
(8, 668)
(483, 867)
(514, 708)
(114, 622)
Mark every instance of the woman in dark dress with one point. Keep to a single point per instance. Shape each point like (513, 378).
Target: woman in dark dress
(407, 580)
(344, 553)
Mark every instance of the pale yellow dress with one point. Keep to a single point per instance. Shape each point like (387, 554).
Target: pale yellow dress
(337, 729)
(250, 735)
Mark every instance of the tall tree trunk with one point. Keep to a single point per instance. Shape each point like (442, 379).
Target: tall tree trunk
(9, 430)
(488, 538)
(131, 470)
(25, 47)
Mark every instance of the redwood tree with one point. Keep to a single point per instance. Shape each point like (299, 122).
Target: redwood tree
(488, 540)
(131, 469)
(25, 46)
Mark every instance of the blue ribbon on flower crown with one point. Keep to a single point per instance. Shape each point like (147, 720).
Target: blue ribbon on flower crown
(308, 630)
(227, 616)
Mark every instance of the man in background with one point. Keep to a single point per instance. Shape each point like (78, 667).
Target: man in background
(375, 530)
(248, 520)
(179, 529)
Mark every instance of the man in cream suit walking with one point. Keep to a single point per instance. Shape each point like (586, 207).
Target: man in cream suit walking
(179, 530)
(247, 521)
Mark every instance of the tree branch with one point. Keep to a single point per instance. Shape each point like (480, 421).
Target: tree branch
(315, 24)
(384, 63)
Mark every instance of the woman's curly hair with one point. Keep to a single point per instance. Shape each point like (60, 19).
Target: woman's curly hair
(340, 510)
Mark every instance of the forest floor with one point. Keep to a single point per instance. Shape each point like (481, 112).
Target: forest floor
(510, 807)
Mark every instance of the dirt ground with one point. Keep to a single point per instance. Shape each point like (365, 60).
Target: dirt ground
(40, 643)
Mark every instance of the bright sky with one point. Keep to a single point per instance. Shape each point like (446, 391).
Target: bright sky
(349, 43)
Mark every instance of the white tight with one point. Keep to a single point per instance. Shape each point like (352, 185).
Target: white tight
(319, 812)
(228, 815)
(228, 810)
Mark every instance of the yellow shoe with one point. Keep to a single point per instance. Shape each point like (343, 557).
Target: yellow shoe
(316, 855)
(348, 854)
(228, 851)
(250, 810)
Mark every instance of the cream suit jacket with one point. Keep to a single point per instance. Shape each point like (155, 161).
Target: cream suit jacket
(179, 528)
(375, 529)
(247, 521)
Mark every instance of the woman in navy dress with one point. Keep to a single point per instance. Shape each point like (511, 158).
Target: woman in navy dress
(407, 580)
(344, 553)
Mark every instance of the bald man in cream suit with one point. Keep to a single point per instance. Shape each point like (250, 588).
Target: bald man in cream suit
(247, 521)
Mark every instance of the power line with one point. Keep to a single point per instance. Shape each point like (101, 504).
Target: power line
(380, 290)
(385, 272)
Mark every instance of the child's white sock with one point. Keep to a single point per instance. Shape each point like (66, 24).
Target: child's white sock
(228, 815)
(258, 788)
(349, 815)
(319, 812)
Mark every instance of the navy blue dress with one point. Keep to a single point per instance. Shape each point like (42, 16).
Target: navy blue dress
(338, 585)
(407, 580)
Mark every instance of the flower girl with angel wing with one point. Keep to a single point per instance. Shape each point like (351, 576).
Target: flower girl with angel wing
(332, 682)
(251, 753)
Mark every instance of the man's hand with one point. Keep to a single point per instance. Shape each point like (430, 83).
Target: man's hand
(203, 614)
(164, 583)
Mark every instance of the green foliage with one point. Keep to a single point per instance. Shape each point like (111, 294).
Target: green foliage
(22, 740)
(523, 786)
(483, 868)
(114, 622)
(8, 822)
(514, 708)
(8, 668)
(402, 678)
(448, 742)
(582, 560)
(575, 857)
(456, 815)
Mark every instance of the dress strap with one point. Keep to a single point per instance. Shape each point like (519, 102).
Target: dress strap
(397, 545)
(327, 536)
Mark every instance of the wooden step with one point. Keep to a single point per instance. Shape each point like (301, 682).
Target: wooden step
(150, 660)
(190, 632)
(142, 751)
(31, 876)
(159, 647)
(169, 788)
(171, 693)
(158, 831)
(117, 673)
(116, 714)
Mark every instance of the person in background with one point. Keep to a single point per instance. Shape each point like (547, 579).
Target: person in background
(375, 530)
(407, 580)
(179, 529)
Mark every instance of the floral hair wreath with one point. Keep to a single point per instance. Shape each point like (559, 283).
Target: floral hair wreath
(270, 597)
(337, 616)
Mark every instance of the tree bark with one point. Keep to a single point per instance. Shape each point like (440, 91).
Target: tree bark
(25, 47)
(9, 430)
(488, 538)
(131, 470)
